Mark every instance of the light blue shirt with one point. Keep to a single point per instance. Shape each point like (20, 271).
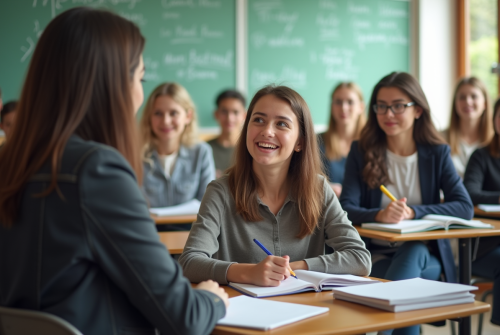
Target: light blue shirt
(194, 169)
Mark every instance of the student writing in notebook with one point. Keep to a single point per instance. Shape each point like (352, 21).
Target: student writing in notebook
(470, 121)
(400, 148)
(277, 194)
(76, 237)
(177, 167)
(482, 180)
(347, 118)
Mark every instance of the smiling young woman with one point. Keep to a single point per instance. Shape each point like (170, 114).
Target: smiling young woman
(470, 121)
(277, 194)
(347, 119)
(400, 148)
(176, 167)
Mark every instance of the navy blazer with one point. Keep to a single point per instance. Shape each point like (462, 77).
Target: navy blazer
(436, 172)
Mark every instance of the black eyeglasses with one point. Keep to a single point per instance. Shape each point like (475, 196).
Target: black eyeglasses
(398, 108)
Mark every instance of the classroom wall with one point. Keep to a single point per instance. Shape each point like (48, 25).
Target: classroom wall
(437, 56)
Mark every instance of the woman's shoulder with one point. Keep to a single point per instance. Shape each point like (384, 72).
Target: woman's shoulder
(79, 151)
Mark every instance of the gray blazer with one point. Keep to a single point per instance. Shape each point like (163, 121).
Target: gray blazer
(94, 257)
(193, 170)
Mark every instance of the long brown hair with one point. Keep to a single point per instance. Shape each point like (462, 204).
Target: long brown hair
(304, 170)
(373, 141)
(485, 123)
(180, 95)
(78, 82)
(330, 137)
(494, 145)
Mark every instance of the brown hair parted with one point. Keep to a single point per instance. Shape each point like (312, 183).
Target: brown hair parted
(79, 82)
(330, 137)
(485, 123)
(494, 145)
(303, 174)
(373, 141)
(180, 95)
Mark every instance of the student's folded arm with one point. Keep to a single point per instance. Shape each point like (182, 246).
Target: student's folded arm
(474, 180)
(207, 169)
(196, 260)
(350, 256)
(123, 241)
(456, 199)
(352, 186)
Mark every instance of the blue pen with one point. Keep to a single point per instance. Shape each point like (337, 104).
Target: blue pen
(270, 254)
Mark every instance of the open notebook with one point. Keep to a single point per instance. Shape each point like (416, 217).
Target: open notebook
(307, 281)
(265, 314)
(428, 222)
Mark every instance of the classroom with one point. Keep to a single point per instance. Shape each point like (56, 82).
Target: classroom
(152, 152)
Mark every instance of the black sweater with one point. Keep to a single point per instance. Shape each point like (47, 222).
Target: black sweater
(482, 177)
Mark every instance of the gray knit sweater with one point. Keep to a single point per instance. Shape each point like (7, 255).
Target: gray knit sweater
(220, 237)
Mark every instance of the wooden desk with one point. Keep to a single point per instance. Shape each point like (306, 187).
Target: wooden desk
(481, 213)
(350, 318)
(174, 219)
(464, 236)
(174, 240)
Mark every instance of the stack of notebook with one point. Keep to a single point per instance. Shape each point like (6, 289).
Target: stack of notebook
(407, 295)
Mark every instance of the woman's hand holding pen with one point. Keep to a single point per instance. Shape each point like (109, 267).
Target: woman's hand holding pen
(270, 271)
(395, 212)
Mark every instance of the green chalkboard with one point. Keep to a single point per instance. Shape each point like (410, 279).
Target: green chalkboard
(188, 41)
(313, 45)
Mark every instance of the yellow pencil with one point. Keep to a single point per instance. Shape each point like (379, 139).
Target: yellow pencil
(291, 272)
(386, 192)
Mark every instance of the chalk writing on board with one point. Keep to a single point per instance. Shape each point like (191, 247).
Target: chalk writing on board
(327, 4)
(177, 3)
(192, 34)
(27, 50)
(170, 16)
(392, 12)
(209, 3)
(260, 40)
(137, 18)
(289, 75)
(198, 65)
(328, 26)
(389, 25)
(151, 73)
(358, 9)
(377, 38)
(358, 24)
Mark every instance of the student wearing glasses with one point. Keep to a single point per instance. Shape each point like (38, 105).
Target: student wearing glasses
(401, 149)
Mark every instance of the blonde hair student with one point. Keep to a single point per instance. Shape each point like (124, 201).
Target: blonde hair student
(176, 167)
(277, 194)
(76, 236)
(470, 121)
(347, 118)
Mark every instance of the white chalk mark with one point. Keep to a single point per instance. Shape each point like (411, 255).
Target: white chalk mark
(29, 50)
